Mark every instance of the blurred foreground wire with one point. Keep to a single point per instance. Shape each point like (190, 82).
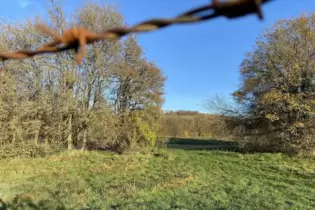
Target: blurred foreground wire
(77, 37)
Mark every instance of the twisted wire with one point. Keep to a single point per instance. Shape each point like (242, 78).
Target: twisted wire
(78, 37)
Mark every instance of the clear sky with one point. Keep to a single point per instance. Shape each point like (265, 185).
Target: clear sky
(199, 60)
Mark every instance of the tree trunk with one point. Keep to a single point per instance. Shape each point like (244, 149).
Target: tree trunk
(3, 134)
(69, 131)
(13, 128)
(36, 136)
(59, 132)
(46, 142)
(36, 132)
(85, 132)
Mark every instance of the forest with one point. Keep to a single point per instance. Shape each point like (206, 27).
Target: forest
(112, 101)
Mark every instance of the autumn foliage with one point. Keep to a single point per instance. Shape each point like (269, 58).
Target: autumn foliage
(277, 88)
(192, 124)
(113, 101)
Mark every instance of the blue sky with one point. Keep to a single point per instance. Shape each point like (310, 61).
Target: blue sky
(199, 60)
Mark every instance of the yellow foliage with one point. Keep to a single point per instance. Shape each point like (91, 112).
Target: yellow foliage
(186, 134)
(146, 130)
(272, 117)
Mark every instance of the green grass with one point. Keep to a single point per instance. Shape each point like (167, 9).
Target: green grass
(182, 179)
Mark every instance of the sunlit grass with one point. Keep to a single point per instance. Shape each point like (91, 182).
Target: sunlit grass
(174, 179)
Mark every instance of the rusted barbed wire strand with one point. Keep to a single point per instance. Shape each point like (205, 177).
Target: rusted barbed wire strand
(78, 37)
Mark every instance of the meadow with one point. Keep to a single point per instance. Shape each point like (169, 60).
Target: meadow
(169, 178)
(83, 138)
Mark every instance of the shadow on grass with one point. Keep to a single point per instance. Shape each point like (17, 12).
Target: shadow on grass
(25, 202)
(202, 144)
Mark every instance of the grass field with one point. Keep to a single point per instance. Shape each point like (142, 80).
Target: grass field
(174, 179)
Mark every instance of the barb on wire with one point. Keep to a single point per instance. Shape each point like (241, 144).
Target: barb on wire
(78, 37)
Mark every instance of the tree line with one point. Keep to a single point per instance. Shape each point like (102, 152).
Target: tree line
(111, 102)
(114, 100)
(191, 124)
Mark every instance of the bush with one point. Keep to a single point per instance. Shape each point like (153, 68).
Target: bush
(26, 150)
(128, 131)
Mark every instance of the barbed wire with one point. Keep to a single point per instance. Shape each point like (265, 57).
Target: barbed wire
(78, 37)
